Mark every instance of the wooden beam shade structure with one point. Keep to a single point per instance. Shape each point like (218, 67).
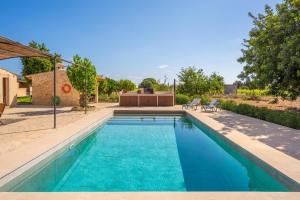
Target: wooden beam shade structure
(12, 49)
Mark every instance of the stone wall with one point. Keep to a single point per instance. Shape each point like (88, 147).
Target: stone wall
(22, 92)
(230, 89)
(42, 89)
(11, 87)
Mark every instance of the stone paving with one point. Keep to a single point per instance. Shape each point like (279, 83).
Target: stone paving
(24, 124)
(279, 137)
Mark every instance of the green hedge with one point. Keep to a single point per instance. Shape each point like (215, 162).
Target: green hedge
(182, 99)
(108, 98)
(284, 118)
(24, 100)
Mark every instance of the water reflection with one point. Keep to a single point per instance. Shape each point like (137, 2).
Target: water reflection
(211, 164)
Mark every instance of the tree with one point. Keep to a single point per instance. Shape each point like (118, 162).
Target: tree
(148, 83)
(32, 65)
(271, 55)
(192, 81)
(216, 84)
(108, 86)
(126, 85)
(162, 86)
(78, 72)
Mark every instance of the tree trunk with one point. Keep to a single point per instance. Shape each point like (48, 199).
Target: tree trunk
(82, 100)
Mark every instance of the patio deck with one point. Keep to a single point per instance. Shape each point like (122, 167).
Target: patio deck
(25, 124)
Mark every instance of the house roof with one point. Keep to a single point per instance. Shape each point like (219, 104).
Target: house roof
(12, 49)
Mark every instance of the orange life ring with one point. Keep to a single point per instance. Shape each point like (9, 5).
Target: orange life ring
(66, 88)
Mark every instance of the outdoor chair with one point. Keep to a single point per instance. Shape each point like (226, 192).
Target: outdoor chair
(193, 105)
(212, 106)
(2, 107)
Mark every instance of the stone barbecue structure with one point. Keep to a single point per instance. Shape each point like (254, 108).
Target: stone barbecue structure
(42, 89)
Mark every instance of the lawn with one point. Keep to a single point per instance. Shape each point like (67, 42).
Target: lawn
(24, 100)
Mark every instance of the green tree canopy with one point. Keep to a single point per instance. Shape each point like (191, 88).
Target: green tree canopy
(192, 81)
(271, 55)
(108, 86)
(148, 83)
(76, 74)
(216, 84)
(126, 85)
(33, 65)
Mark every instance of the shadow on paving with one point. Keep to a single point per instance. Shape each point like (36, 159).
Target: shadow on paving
(11, 121)
(27, 131)
(282, 138)
(40, 112)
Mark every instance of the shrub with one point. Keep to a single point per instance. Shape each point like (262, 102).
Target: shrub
(108, 98)
(284, 118)
(182, 99)
(254, 93)
(204, 99)
(24, 100)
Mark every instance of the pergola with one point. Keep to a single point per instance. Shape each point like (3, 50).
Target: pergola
(12, 49)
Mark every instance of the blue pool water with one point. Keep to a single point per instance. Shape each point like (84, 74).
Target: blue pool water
(147, 153)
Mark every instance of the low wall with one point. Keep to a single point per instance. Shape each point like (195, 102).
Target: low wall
(22, 92)
(150, 100)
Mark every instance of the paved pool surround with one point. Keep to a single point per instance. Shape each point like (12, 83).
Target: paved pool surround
(285, 168)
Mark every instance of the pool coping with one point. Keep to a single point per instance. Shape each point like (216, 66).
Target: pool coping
(150, 195)
(9, 176)
(277, 160)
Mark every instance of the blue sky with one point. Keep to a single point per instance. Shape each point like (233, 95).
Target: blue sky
(135, 39)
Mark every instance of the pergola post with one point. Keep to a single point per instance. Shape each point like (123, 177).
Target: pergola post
(96, 93)
(174, 93)
(85, 92)
(54, 92)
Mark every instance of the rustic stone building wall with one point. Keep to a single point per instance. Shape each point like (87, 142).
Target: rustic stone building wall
(9, 96)
(42, 89)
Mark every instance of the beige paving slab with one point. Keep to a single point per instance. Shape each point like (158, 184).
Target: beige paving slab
(24, 124)
(282, 138)
(152, 196)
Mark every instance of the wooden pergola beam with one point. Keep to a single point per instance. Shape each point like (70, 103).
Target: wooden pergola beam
(12, 49)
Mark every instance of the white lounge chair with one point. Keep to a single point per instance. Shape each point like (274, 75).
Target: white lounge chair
(212, 106)
(193, 105)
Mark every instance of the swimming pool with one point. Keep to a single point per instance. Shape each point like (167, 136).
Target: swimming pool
(150, 153)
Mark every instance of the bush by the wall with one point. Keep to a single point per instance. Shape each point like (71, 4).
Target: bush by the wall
(108, 98)
(182, 99)
(24, 100)
(284, 118)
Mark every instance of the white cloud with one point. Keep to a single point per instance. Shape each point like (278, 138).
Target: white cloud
(163, 66)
